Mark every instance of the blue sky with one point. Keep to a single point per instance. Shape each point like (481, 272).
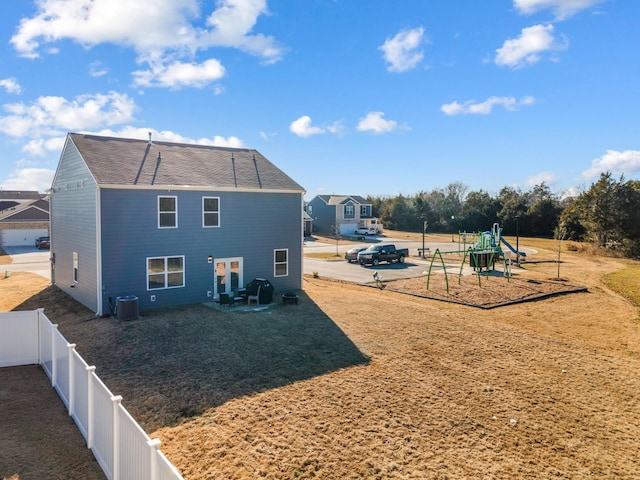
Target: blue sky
(346, 96)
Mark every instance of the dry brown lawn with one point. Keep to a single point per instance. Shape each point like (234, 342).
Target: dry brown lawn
(358, 382)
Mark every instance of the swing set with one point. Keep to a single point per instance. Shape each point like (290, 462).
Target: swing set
(482, 254)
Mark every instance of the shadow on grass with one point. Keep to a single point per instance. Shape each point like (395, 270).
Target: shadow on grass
(176, 363)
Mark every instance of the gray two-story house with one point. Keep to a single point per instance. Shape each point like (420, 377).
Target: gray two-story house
(170, 223)
(341, 214)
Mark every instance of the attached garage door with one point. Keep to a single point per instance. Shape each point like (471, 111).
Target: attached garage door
(25, 237)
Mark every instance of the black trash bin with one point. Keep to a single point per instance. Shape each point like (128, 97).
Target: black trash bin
(266, 289)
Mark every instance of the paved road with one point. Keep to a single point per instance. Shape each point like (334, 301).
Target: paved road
(352, 272)
(28, 259)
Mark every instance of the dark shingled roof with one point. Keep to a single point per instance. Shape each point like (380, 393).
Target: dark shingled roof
(20, 195)
(124, 162)
(33, 210)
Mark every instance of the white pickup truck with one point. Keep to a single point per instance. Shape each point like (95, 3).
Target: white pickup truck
(366, 231)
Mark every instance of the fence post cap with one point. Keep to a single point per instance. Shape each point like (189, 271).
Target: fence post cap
(154, 442)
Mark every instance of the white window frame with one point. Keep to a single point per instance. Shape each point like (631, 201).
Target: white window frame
(276, 263)
(205, 212)
(166, 272)
(363, 211)
(174, 212)
(228, 271)
(347, 214)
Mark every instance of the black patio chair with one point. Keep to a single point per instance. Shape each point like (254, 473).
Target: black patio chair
(226, 299)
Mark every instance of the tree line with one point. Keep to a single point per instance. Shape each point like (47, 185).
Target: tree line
(607, 214)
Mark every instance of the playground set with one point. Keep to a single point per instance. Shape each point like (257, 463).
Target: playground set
(485, 248)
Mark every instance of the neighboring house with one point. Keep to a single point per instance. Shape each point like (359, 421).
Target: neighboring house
(170, 223)
(342, 213)
(308, 224)
(23, 219)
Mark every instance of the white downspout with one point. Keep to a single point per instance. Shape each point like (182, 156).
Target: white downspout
(98, 217)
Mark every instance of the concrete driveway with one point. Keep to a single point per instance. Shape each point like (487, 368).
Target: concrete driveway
(28, 259)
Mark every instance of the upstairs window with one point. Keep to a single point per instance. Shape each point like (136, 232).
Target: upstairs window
(281, 262)
(210, 211)
(167, 212)
(349, 211)
(363, 211)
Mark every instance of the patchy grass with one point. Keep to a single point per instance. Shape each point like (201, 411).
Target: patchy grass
(332, 257)
(626, 282)
(4, 258)
(356, 382)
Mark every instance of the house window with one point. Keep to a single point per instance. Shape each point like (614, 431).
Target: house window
(75, 267)
(167, 212)
(349, 211)
(210, 211)
(165, 272)
(363, 211)
(310, 209)
(281, 262)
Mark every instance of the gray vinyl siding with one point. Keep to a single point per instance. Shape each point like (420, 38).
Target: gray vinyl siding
(323, 215)
(252, 226)
(73, 228)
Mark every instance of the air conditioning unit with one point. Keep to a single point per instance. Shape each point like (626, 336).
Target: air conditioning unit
(127, 308)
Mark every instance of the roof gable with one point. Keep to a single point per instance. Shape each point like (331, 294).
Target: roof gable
(33, 210)
(346, 199)
(139, 163)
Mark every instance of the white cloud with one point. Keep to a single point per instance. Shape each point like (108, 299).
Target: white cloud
(97, 69)
(11, 85)
(158, 30)
(40, 147)
(469, 107)
(233, 20)
(169, 136)
(337, 128)
(38, 179)
(528, 48)
(178, 74)
(402, 52)
(143, 24)
(48, 116)
(616, 162)
(562, 9)
(374, 122)
(548, 178)
(302, 127)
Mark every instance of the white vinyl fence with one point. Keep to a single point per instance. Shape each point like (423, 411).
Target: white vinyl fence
(122, 448)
